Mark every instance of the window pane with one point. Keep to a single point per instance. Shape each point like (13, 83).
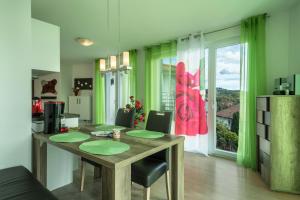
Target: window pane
(227, 97)
(168, 84)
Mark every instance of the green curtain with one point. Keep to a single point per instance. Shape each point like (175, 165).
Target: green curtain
(253, 83)
(153, 56)
(133, 90)
(99, 92)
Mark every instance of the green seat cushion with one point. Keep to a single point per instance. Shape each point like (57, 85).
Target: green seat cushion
(108, 127)
(69, 137)
(104, 147)
(145, 134)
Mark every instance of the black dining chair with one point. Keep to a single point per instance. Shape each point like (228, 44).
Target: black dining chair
(147, 171)
(124, 118)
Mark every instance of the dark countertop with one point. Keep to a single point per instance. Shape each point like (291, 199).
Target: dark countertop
(70, 115)
(66, 115)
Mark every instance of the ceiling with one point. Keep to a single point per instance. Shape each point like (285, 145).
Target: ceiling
(143, 22)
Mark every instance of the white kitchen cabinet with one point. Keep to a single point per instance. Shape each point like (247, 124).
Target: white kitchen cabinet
(45, 46)
(81, 105)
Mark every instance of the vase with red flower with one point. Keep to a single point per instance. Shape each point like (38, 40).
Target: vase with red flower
(139, 117)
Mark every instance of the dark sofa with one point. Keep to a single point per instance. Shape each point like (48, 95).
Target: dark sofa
(17, 183)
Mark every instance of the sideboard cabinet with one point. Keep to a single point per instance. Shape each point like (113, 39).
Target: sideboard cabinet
(278, 139)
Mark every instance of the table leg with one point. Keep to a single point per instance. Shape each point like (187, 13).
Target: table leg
(97, 172)
(177, 171)
(39, 160)
(116, 183)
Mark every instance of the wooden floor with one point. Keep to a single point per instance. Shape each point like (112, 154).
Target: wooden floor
(206, 178)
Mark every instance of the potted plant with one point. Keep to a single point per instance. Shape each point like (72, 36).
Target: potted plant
(76, 91)
(139, 110)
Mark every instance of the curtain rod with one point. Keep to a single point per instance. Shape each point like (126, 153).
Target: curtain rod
(218, 30)
(207, 33)
(210, 32)
(197, 35)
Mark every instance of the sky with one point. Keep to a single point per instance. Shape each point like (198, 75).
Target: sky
(228, 67)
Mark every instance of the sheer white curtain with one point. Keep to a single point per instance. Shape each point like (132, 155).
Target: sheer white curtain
(190, 114)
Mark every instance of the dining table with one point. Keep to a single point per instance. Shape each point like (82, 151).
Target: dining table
(116, 169)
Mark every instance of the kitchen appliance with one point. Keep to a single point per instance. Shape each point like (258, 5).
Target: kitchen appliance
(67, 121)
(37, 126)
(294, 83)
(53, 112)
(37, 109)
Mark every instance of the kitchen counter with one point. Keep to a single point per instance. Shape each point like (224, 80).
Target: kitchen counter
(70, 115)
(66, 115)
(59, 174)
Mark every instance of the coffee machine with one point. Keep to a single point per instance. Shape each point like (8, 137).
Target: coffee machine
(53, 112)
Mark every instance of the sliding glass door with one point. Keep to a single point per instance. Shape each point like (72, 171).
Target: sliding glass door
(117, 93)
(111, 97)
(223, 65)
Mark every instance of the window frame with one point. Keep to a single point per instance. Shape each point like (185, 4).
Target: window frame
(212, 104)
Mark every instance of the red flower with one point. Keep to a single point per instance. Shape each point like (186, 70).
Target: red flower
(190, 107)
(141, 118)
(138, 104)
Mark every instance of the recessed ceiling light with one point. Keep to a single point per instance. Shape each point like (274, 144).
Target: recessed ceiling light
(84, 41)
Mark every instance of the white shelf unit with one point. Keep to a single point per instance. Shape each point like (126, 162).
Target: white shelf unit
(81, 105)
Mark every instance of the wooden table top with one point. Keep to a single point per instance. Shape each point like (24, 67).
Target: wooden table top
(139, 147)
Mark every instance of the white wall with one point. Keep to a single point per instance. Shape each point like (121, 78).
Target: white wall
(66, 84)
(15, 83)
(282, 44)
(277, 47)
(294, 64)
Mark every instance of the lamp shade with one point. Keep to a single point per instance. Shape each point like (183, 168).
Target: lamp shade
(102, 65)
(113, 62)
(84, 41)
(125, 58)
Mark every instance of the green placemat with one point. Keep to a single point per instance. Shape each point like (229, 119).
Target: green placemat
(145, 134)
(69, 137)
(108, 127)
(104, 147)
